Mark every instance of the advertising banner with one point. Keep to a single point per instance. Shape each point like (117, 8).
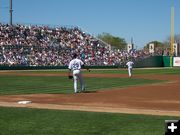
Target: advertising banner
(176, 61)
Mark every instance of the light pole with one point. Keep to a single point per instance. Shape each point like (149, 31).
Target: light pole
(172, 36)
(10, 11)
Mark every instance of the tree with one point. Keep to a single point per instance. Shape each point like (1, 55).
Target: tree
(167, 42)
(115, 42)
(157, 44)
(176, 39)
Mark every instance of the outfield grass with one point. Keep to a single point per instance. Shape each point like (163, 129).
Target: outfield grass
(11, 85)
(22, 121)
(167, 71)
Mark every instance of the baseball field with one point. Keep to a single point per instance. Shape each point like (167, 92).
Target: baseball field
(113, 104)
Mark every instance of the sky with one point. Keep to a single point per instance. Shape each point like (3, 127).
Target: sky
(142, 20)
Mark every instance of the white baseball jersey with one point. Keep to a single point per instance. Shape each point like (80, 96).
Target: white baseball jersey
(130, 64)
(75, 64)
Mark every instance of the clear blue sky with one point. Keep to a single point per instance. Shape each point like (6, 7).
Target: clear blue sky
(144, 20)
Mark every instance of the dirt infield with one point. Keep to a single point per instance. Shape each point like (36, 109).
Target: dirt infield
(157, 99)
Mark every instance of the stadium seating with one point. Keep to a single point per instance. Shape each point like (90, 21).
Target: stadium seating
(31, 45)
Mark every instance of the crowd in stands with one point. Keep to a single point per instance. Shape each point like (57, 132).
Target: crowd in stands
(53, 46)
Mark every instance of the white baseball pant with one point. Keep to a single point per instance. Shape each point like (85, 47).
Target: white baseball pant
(130, 72)
(77, 75)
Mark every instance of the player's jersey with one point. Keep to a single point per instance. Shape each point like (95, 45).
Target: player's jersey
(130, 64)
(75, 64)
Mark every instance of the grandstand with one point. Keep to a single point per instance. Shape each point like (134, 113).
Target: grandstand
(33, 45)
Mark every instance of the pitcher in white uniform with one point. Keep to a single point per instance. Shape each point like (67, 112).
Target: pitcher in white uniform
(75, 66)
(130, 66)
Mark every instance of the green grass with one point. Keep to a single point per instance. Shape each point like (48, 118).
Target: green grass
(23, 121)
(52, 84)
(11, 84)
(167, 71)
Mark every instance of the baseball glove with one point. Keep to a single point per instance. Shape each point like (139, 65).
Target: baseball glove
(70, 77)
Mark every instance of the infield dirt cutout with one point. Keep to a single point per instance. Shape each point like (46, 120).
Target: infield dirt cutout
(153, 99)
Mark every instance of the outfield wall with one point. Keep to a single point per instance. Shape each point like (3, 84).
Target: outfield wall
(158, 61)
(153, 61)
(167, 61)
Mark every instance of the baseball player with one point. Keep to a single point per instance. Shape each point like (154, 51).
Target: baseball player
(75, 66)
(130, 64)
